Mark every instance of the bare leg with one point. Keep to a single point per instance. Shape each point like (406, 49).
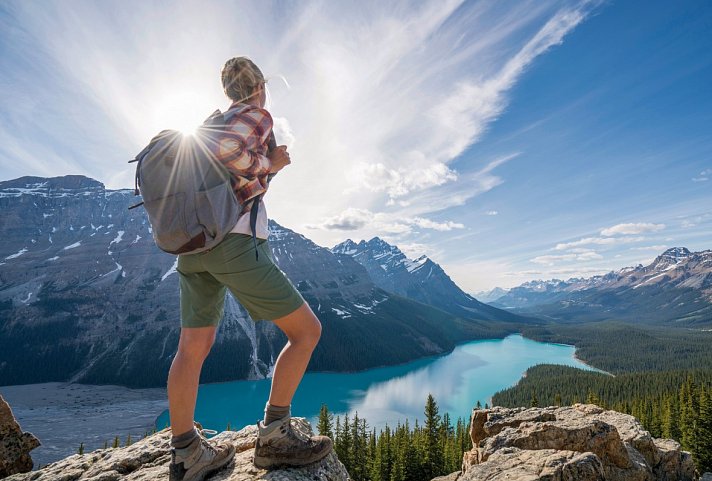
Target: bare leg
(193, 347)
(303, 330)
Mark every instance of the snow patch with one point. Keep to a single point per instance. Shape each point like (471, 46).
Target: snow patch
(72, 246)
(118, 268)
(172, 270)
(137, 238)
(53, 258)
(118, 238)
(17, 254)
(340, 313)
(47, 215)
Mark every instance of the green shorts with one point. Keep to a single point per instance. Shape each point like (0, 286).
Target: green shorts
(258, 285)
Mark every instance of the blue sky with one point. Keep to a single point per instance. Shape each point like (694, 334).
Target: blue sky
(507, 140)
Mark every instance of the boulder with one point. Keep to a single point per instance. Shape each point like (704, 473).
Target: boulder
(148, 459)
(581, 442)
(15, 445)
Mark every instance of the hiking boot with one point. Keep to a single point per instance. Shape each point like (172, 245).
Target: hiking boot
(199, 459)
(278, 445)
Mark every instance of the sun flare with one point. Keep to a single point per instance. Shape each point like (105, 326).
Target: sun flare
(182, 110)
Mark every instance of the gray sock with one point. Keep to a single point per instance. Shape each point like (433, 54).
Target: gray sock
(183, 440)
(273, 413)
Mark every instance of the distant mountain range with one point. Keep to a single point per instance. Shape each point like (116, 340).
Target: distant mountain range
(675, 289)
(86, 296)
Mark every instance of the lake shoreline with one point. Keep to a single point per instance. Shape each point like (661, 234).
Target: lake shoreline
(62, 415)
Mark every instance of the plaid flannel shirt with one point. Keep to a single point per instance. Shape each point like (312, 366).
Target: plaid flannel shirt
(242, 149)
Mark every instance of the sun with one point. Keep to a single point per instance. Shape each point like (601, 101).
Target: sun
(182, 110)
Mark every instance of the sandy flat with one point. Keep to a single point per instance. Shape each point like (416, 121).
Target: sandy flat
(63, 415)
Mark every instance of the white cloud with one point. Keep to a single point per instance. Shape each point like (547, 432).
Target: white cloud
(703, 176)
(283, 132)
(491, 212)
(354, 219)
(598, 241)
(441, 226)
(401, 181)
(631, 228)
(658, 248)
(580, 255)
(414, 250)
(350, 219)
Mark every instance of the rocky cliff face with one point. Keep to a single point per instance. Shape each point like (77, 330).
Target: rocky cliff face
(581, 442)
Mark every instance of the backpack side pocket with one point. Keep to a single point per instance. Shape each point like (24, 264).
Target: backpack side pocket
(167, 217)
(217, 210)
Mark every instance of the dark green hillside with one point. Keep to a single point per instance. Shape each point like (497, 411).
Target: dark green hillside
(619, 348)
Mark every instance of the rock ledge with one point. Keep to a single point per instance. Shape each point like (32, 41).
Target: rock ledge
(148, 459)
(582, 442)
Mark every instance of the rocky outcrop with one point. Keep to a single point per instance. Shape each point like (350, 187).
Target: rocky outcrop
(148, 459)
(582, 442)
(15, 446)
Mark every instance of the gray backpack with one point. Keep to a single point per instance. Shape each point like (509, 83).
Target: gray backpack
(186, 191)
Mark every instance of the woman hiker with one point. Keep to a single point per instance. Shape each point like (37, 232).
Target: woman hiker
(260, 287)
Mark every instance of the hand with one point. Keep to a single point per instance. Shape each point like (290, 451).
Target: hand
(279, 157)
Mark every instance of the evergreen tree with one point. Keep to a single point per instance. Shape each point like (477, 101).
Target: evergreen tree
(346, 448)
(81, 448)
(534, 401)
(116, 442)
(433, 459)
(557, 399)
(326, 422)
(358, 458)
(704, 432)
(592, 398)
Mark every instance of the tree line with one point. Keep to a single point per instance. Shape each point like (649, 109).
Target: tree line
(400, 453)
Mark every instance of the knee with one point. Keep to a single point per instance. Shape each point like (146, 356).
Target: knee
(313, 333)
(308, 334)
(196, 349)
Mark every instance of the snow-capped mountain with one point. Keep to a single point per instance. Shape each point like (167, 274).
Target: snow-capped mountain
(676, 286)
(420, 279)
(85, 295)
(491, 295)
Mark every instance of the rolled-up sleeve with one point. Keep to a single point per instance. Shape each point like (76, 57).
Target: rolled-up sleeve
(241, 148)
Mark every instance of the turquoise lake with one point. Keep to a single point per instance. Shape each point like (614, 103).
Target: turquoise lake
(472, 371)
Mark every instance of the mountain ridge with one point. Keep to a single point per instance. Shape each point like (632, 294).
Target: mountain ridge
(676, 286)
(419, 279)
